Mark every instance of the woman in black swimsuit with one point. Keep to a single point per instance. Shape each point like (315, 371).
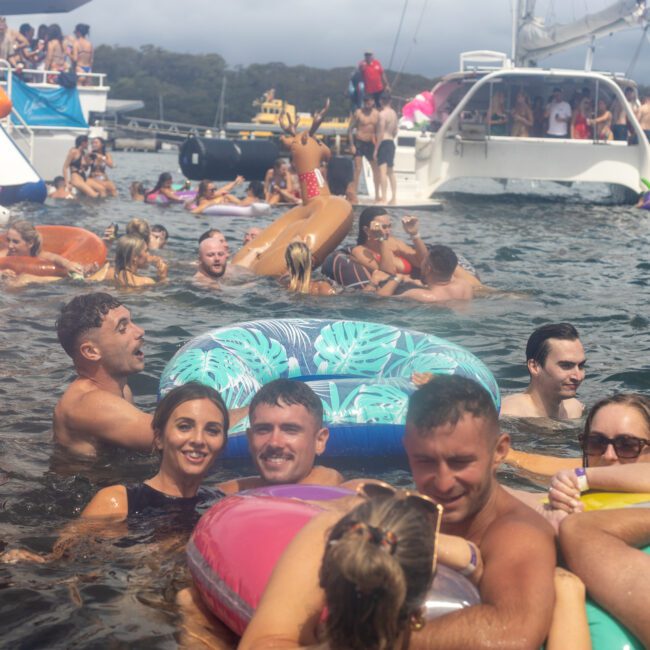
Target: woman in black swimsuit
(190, 430)
(74, 170)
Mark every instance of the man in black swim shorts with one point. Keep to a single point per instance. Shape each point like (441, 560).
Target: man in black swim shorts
(362, 136)
(385, 149)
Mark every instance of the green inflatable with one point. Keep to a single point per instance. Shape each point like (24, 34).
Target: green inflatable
(606, 632)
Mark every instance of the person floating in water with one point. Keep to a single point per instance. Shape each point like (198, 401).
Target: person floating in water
(285, 436)
(556, 363)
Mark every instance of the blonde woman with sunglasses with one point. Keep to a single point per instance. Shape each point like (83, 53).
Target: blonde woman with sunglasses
(371, 578)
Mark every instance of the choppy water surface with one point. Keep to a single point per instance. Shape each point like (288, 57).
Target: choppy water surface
(570, 260)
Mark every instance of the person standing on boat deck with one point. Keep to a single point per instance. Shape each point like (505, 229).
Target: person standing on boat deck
(362, 138)
(558, 113)
(374, 77)
(556, 363)
(285, 437)
(82, 52)
(644, 116)
(621, 126)
(385, 149)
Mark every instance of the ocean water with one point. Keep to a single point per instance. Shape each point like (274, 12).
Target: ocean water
(560, 256)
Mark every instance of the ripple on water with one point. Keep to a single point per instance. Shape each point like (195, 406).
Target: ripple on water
(566, 260)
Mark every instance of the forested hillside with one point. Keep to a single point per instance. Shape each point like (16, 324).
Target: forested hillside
(190, 84)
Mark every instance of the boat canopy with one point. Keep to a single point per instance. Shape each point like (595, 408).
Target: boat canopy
(19, 7)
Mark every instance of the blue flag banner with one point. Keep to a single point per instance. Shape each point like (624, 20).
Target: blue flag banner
(47, 106)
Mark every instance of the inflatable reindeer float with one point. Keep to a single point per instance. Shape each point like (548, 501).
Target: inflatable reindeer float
(322, 221)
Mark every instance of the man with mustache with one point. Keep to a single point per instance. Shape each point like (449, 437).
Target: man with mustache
(285, 436)
(556, 363)
(97, 408)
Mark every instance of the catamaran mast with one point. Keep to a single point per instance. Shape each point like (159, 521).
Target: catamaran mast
(534, 40)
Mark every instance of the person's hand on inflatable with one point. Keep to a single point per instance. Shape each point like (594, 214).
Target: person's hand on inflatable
(7, 274)
(411, 225)
(421, 378)
(564, 493)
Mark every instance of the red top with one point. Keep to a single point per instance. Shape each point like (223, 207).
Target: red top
(372, 73)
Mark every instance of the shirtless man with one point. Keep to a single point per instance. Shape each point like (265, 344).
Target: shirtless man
(385, 149)
(643, 114)
(620, 127)
(97, 408)
(454, 447)
(556, 363)
(365, 121)
(285, 436)
(442, 279)
(213, 262)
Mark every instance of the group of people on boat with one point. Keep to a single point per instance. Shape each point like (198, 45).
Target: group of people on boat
(47, 49)
(578, 119)
(369, 558)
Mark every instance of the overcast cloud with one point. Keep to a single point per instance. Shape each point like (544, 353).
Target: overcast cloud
(334, 33)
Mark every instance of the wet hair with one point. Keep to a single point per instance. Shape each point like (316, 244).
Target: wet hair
(442, 260)
(81, 314)
(285, 392)
(158, 227)
(54, 33)
(139, 227)
(641, 403)
(162, 179)
(29, 234)
(82, 29)
(298, 258)
(372, 588)
(201, 191)
(79, 140)
(538, 345)
(128, 247)
(256, 188)
(189, 392)
(58, 181)
(445, 399)
(136, 187)
(365, 219)
(209, 233)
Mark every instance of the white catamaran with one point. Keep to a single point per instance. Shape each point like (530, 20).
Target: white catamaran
(466, 144)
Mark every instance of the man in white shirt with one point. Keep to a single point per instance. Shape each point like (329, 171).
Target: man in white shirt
(558, 113)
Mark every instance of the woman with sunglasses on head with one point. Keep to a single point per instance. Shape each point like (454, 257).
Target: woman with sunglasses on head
(208, 194)
(369, 571)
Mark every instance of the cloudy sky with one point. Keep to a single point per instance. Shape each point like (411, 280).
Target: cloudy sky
(333, 33)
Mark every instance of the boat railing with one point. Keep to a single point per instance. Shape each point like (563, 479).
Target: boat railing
(16, 127)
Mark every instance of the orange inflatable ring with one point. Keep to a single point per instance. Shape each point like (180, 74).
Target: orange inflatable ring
(75, 244)
(5, 104)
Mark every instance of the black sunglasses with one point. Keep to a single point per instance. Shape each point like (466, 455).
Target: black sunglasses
(625, 446)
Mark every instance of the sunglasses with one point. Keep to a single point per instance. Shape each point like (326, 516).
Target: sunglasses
(596, 444)
(420, 501)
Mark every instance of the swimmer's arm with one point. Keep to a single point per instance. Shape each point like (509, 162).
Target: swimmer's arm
(111, 419)
(613, 570)
(569, 626)
(62, 261)
(160, 265)
(459, 554)
(517, 594)
(540, 464)
(171, 195)
(365, 257)
(109, 503)
(291, 606)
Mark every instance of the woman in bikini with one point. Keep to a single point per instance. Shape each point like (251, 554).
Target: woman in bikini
(55, 58)
(74, 170)
(100, 159)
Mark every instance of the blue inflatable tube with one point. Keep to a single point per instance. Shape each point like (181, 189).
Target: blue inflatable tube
(360, 370)
(35, 192)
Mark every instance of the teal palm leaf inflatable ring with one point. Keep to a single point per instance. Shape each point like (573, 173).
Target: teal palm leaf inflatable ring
(360, 370)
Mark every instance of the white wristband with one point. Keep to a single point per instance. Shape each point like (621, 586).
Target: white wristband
(581, 475)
